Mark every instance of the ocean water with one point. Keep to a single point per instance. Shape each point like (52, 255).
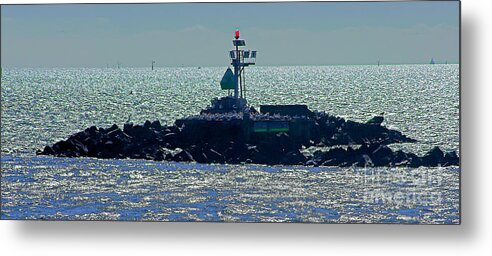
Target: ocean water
(42, 106)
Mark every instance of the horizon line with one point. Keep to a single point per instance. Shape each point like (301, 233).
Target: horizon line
(210, 66)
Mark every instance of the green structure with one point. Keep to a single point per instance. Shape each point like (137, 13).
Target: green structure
(227, 82)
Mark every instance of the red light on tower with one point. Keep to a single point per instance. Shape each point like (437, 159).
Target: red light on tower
(237, 34)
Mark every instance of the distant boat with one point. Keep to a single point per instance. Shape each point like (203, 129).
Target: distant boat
(432, 61)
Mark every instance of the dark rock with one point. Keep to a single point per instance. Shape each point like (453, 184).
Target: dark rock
(143, 135)
(336, 157)
(364, 161)
(345, 164)
(63, 146)
(174, 129)
(156, 125)
(214, 156)
(114, 132)
(198, 155)
(435, 153)
(47, 151)
(413, 160)
(136, 156)
(127, 127)
(108, 149)
(267, 153)
(167, 154)
(294, 157)
(112, 128)
(183, 156)
(171, 138)
(319, 156)
(377, 120)
(352, 156)
(147, 124)
(231, 155)
(433, 158)
(252, 150)
(160, 155)
(201, 158)
(91, 130)
(331, 162)
(382, 156)
(80, 148)
(451, 158)
(311, 162)
(400, 158)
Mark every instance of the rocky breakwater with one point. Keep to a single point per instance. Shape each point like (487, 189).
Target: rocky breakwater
(217, 141)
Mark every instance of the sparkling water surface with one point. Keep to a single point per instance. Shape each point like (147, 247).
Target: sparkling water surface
(42, 106)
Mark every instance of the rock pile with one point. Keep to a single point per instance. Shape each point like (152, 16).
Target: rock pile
(332, 130)
(381, 155)
(223, 143)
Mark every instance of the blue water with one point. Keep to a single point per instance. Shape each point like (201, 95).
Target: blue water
(42, 106)
(93, 189)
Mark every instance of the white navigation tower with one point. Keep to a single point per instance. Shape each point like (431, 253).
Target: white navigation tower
(239, 60)
(234, 80)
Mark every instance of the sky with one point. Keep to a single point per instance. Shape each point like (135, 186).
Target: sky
(200, 34)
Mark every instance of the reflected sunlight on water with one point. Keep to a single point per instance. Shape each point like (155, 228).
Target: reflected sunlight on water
(42, 106)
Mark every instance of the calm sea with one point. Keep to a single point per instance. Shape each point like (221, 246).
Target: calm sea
(42, 106)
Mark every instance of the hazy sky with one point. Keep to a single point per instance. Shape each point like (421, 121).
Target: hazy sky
(200, 34)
